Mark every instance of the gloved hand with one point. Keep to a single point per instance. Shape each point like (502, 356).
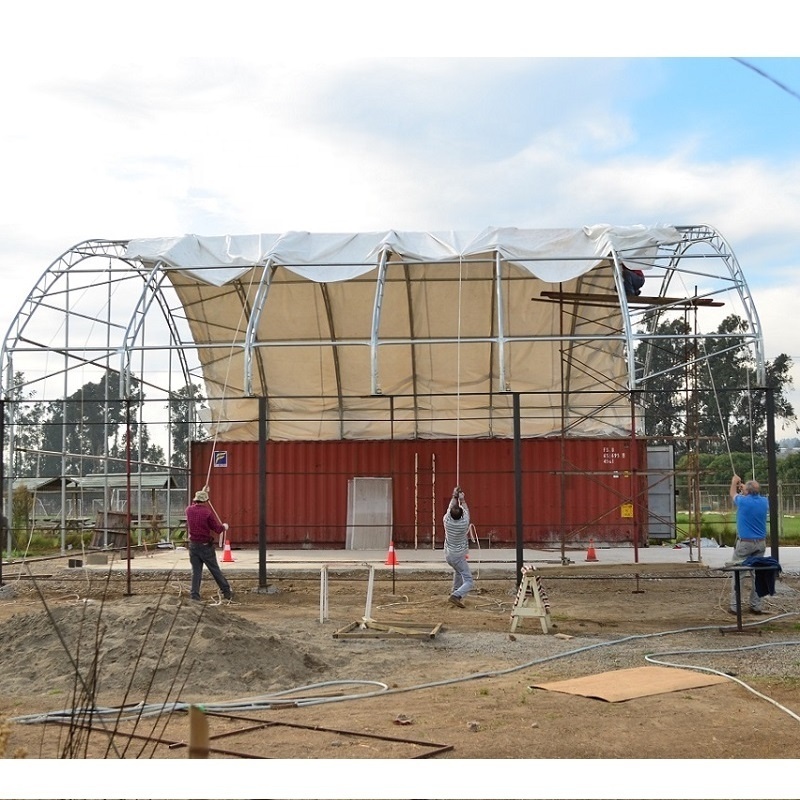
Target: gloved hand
(457, 492)
(225, 526)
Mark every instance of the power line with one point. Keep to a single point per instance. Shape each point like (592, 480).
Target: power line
(768, 77)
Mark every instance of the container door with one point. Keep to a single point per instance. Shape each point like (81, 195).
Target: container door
(369, 513)
(661, 492)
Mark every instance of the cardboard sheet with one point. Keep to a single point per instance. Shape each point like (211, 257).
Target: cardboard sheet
(626, 684)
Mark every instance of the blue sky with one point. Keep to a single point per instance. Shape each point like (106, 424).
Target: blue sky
(188, 121)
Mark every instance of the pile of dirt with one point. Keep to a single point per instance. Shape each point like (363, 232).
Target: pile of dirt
(145, 649)
(469, 687)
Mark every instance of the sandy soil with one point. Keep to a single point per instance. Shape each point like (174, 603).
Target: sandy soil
(454, 683)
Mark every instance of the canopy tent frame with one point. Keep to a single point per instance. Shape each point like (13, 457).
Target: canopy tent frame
(627, 326)
(166, 321)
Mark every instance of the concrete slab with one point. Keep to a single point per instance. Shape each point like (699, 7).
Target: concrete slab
(500, 560)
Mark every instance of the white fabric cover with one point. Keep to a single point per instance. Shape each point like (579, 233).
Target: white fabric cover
(438, 338)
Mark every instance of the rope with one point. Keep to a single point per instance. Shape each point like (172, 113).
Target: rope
(458, 378)
(750, 417)
(225, 384)
(224, 533)
(719, 412)
(723, 430)
(473, 536)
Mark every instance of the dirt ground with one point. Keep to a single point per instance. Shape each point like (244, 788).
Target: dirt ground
(448, 683)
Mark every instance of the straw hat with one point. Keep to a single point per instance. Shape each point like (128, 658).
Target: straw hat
(201, 496)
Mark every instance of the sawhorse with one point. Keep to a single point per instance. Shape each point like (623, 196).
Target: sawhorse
(531, 600)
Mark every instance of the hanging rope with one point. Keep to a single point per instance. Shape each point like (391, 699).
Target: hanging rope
(719, 412)
(207, 484)
(225, 383)
(752, 438)
(458, 378)
(723, 428)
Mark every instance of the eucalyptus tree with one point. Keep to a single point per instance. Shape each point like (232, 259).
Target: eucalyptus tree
(709, 400)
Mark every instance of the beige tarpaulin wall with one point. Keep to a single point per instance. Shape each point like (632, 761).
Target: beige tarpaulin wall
(329, 327)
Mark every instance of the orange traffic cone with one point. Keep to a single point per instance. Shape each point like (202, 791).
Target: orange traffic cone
(590, 553)
(391, 559)
(227, 555)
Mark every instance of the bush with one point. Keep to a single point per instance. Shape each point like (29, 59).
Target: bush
(78, 539)
(21, 509)
(41, 543)
(720, 527)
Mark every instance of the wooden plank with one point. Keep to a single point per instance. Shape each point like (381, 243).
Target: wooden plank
(633, 300)
(344, 631)
(371, 629)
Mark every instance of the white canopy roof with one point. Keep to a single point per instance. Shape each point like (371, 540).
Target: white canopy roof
(409, 334)
(333, 257)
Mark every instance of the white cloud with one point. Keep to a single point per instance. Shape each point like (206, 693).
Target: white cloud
(778, 315)
(148, 143)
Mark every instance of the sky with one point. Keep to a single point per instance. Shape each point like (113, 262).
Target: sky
(196, 118)
(159, 119)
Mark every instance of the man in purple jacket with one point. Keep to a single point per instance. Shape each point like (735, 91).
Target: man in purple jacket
(203, 527)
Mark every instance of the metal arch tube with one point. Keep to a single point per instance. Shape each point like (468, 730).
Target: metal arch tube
(132, 329)
(747, 301)
(154, 280)
(326, 300)
(252, 324)
(694, 234)
(626, 321)
(501, 324)
(376, 322)
(57, 270)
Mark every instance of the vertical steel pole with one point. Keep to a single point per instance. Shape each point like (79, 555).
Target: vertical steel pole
(262, 493)
(772, 471)
(3, 533)
(638, 522)
(518, 484)
(128, 489)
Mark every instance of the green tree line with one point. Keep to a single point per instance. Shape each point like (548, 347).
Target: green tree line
(706, 400)
(92, 429)
(718, 469)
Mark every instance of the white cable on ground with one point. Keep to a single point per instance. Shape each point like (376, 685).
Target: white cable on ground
(275, 701)
(659, 660)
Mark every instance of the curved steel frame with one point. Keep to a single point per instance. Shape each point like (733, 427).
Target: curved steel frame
(57, 293)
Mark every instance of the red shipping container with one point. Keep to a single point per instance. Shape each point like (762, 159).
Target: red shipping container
(573, 490)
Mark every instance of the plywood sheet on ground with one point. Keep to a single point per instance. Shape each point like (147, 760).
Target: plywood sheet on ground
(626, 684)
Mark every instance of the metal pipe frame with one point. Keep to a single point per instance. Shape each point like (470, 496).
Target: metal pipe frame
(695, 256)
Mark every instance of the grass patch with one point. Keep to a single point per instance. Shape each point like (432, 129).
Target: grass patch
(721, 526)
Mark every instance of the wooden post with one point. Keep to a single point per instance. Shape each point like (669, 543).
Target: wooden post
(198, 733)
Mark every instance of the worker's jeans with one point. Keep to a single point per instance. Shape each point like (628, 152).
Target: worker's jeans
(744, 549)
(462, 577)
(200, 554)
